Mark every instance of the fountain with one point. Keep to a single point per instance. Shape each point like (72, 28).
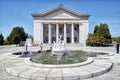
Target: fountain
(58, 47)
(59, 55)
(60, 63)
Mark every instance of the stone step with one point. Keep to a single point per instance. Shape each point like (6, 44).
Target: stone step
(32, 72)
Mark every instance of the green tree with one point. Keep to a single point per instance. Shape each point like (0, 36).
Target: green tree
(95, 40)
(104, 31)
(6, 42)
(18, 34)
(96, 28)
(100, 36)
(1, 39)
(118, 40)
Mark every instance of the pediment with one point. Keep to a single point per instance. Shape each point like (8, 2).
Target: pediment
(61, 14)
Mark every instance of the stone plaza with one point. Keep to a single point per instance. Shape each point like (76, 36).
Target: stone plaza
(102, 68)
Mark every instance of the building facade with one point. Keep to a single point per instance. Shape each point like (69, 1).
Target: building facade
(72, 26)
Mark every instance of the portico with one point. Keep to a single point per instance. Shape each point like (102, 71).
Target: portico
(60, 21)
(69, 31)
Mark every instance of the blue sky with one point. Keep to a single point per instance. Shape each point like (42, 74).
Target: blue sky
(18, 13)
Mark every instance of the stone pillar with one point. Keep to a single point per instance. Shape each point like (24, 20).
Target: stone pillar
(49, 33)
(80, 24)
(41, 33)
(37, 32)
(72, 33)
(57, 32)
(64, 32)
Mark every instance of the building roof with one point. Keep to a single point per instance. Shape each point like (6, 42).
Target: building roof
(60, 7)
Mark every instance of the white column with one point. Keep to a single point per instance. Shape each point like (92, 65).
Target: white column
(42, 33)
(37, 32)
(83, 34)
(57, 32)
(72, 33)
(80, 31)
(64, 32)
(49, 33)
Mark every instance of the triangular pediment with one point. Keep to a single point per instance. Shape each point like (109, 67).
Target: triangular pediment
(60, 13)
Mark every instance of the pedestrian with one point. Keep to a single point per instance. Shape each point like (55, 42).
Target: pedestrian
(117, 48)
(26, 46)
(41, 46)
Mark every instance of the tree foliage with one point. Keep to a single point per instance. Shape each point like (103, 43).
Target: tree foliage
(18, 34)
(95, 40)
(100, 36)
(1, 39)
(6, 42)
(116, 39)
(104, 31)
(96, 29)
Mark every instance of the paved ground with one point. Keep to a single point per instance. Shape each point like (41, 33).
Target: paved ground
(113, 74)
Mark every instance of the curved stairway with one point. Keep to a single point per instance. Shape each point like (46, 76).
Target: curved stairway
(17, 67)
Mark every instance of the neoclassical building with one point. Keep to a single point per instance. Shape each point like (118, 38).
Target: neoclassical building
(50, 25)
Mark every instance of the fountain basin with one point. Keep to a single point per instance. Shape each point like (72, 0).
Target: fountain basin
(29, 62)
(25, 68)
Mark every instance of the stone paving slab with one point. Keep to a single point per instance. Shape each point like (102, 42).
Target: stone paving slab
(69, 74)
(82, 73)
(95, 71)
(8, 65)
(1, 64)
(41, 74)
(55, 74)
(105, 65)
(28, 73)
(115, 73)
(5, 76)
(2, 69)
(17, 70)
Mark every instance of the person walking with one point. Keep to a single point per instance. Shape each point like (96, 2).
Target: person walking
(41, 46)
(117, 48)
(26, 46)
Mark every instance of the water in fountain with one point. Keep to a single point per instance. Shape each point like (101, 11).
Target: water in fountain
(59, 47)
(59, 55)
